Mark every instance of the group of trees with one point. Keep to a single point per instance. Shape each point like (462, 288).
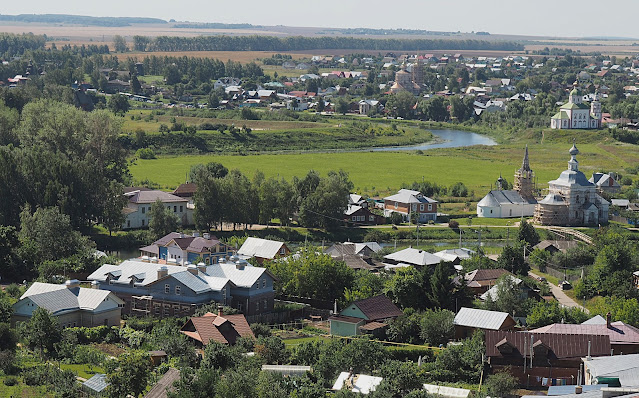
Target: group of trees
(230, 197)
(65, 169)
(297, 43)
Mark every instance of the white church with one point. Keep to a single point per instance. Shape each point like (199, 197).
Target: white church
(575, 114)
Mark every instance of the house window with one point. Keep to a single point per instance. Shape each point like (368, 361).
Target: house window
(395, 204)
(263, 283)
(430, 207)
(167, 310)
(157, 309)
(371, 218)
(283, 250)
(239, 307)
(421, 207)
(354, 218)
(414, 206)
(143, 209)
(174, 209)
(142, 222)
(181, 209)
(167, 289)
(265, 303)
(128, 223)
(257, 306)
(176, 310)
(178, 290)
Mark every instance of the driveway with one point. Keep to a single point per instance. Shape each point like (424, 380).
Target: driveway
(561, 296)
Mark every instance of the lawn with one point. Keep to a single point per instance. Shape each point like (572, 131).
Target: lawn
(290, 343)
(22, 390)
(82, 370)
(378, 173)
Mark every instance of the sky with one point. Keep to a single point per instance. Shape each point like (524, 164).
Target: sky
(583, 18)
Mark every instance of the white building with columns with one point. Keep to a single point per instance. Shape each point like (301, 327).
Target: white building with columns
(575, 114)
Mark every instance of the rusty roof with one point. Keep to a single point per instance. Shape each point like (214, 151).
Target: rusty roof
(560, 346)
(485, 274)
(224, 329)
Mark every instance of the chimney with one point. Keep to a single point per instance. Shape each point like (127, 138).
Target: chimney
(162, 272)
(239, 264)
(206, 235)
(145, 259)
(95, 285)
(196, 234)
(70, 284)
(201, 267)
(609, 320)
(578, 389)
(220, 310)
(192, 269)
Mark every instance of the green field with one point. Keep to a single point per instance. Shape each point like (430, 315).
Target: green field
(382, 172)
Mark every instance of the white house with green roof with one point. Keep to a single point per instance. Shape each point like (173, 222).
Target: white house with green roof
(575, 114)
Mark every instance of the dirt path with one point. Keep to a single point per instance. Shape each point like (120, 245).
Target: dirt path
(561, 296)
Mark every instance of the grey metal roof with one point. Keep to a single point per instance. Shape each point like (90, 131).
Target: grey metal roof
(57, 298)
(553, 199)
(195, 283)
(572, 177)
(263, 248)
(566, 390)
(481, 319)
(414, 256)
(409, 196)
(152, 196)
(96, 383)
(287, 369)
(626, 367)
(595, 320)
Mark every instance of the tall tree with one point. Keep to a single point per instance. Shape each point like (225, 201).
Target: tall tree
(162, 220)
(528, 234)
(42, 332)
(128, 375)
(119, 44)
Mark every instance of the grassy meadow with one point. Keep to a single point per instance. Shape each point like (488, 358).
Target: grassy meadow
(382, 172)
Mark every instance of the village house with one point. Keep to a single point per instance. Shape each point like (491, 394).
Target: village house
(72, 305)
(172, 290)
(221, 328)
(179, 248)
(480, 280)
(356, 255)
(605, 182)
(364, 316)
(600, 370)
(355, 215)
(408, 202)
(139, 206)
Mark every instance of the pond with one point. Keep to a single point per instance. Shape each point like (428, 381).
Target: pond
(448, 139)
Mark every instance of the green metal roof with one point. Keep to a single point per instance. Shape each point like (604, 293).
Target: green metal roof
(561, 115)
(572, 105)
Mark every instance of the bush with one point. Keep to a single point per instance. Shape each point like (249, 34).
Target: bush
(453, 224)
(260, 330)
(145, 153)
(10, 381)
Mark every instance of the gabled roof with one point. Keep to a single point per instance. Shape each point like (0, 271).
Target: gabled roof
(185, 190)
(378, 307)
(626, 367)
(414, 257)
(454, 254)
(186, 242)
(59, 298)
(96, 383)
(481, 277)
(481, 319)
(409, 196)
(263, 248)
(225, 329)
(618, 333)
(561, 346)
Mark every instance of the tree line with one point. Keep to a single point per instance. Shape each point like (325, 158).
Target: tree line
(296, 43)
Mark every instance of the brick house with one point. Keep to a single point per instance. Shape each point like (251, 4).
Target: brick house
(407, 202)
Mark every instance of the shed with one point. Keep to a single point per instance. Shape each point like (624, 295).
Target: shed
(468, 320)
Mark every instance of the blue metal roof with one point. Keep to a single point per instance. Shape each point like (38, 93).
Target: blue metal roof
(565, 390)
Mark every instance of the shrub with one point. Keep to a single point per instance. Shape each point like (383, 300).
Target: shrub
(10, 381)
(260, 330)
(145, 153)
(453, 224)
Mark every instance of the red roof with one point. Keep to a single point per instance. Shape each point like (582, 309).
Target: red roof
(618, 333)
(224, 329)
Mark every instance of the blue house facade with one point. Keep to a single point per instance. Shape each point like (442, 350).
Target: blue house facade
(172, 290)
(182, 249)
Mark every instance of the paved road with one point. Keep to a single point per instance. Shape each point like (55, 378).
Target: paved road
(561, 296)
